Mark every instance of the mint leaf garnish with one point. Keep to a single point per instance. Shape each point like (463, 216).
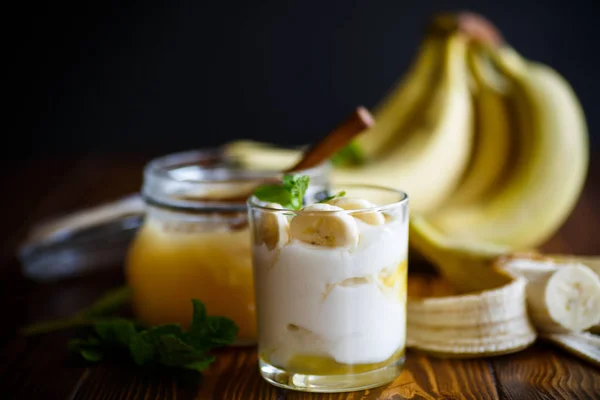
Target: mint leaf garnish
(290, 194)
(164, 345)
(117, 332)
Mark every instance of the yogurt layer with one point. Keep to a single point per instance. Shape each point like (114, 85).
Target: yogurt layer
(345, 304)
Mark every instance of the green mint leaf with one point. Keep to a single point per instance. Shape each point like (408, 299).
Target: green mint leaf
(222, 331)
(174, 352)
(297, 186)
(118, 331)
(168, 329)
(208, 332)
(338, 194)
(289, 181)
(109, 303)
(93, 355)
(200, 365)
(348, 156)
(198, 326)
(273, 194)
(290, 194)
(167, 345)
(142, 348)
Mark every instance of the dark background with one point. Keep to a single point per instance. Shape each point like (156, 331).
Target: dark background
(117, 76)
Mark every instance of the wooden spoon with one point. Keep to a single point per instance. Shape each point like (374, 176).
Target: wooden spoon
(360, 120)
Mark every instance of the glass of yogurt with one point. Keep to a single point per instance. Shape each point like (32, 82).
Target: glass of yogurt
(330, 288)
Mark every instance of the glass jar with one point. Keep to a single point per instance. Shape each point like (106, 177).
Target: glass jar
(194, 241)
(330, 285)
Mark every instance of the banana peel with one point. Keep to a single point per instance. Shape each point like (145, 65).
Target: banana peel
(492, 313)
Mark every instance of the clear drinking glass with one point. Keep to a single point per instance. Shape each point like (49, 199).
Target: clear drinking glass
(331, 308)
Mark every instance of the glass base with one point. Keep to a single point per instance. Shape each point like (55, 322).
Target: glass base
(330, 383)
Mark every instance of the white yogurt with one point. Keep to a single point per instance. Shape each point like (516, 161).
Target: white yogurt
(308, 305)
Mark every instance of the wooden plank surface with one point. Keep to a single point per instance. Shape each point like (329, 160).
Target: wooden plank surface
(40, 367)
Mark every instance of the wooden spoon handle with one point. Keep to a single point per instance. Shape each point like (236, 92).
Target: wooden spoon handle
(357, 122)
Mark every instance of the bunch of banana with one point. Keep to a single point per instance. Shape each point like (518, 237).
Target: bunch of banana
(479, 137)
(546, 166)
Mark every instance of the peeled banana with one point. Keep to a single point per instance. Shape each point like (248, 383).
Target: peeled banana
(551, 262)
(563, 299)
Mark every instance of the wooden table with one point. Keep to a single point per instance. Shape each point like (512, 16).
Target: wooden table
(41, 368)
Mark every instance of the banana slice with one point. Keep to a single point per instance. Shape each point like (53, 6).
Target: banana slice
(561, 298)
(353, 203)
(273, 228)
(325, 227)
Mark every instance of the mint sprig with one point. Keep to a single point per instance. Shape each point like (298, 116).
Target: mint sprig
(290, 194)
(164, 345)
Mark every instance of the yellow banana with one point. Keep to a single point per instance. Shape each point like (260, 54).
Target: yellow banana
(548, 174)
(428, 155)
(492, 135)
(467, 265)
(396, 110)
(261, 156)
(405, 101)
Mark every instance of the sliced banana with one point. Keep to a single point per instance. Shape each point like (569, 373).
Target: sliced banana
(565, 300)
(273, 228)
(325, 227)
(353, 203)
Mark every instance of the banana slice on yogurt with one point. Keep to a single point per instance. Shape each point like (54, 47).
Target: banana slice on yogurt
(273, 228)
(353, 203)
(329, 229)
